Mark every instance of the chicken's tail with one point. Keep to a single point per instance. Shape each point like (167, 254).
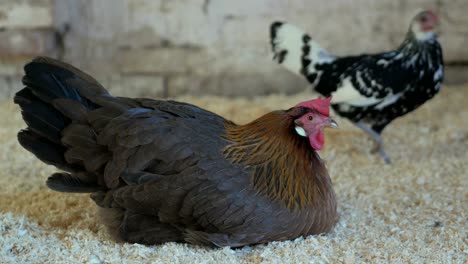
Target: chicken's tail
(55, 99)
(295, 50)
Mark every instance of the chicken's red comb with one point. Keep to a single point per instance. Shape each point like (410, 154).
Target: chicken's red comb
(321, 105)
(433, 15)
(430, 13)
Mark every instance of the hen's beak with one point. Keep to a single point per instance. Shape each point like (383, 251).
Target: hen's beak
(298, 122)
(332, 123)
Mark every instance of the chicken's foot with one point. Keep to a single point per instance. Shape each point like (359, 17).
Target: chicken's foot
(378, 141)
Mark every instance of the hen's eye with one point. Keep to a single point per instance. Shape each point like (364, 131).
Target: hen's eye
(310, 117)
(423, 19)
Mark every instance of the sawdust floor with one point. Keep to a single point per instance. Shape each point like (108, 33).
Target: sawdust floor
(412, 211)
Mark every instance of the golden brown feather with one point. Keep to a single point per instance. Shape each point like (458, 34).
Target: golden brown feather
(284, 167)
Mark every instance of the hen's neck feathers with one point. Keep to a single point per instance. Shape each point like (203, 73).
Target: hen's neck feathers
(411, 45)
(284, 166)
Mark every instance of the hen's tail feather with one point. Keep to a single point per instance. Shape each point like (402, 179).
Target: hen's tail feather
(54, 104)
(41, 118)
(50, 79)
(296, 51)
(45, 150)
(65, 182)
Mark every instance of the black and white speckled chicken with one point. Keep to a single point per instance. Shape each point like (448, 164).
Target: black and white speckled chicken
(371, 90)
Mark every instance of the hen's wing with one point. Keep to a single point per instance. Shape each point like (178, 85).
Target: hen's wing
(375, 80)
(158, 137)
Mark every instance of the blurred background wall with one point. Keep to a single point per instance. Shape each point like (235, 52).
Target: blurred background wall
(171, 47)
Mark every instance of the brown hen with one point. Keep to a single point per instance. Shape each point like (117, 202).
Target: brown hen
(168, 171)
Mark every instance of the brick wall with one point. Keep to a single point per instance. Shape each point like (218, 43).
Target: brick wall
(26, 29)
(172, 47)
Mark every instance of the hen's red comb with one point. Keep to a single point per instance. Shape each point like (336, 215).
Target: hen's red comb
(321, 105)
(433, 15)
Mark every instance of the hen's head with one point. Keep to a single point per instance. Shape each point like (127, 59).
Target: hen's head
(423, 25)
(310, 118)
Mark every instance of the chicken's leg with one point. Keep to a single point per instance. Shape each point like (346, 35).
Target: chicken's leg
(378, 145)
